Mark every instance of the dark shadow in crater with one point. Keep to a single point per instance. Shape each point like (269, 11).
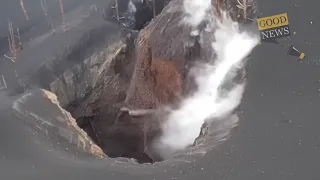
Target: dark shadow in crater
(135, 14)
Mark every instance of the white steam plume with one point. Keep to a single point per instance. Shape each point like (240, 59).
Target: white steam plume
(195, 11)
(207, 104)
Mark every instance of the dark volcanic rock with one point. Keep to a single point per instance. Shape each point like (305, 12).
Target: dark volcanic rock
(135, 14)
(94, 91)
(79, 80)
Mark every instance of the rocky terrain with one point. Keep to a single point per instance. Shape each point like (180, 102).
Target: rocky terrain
(86, 65)
(88, 68)
(277, 137)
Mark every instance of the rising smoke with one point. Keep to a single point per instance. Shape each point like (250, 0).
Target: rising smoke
(209, 103)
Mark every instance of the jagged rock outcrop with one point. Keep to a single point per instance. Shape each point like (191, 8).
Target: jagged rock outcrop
(166, 52)
(55, 124)
(101, 68)
(94, 92)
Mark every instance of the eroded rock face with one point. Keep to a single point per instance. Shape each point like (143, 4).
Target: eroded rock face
(95, 90)
(75, 83)
(166, 53)
(55, 123)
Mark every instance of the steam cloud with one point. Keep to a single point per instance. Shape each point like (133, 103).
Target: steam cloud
(209, 103)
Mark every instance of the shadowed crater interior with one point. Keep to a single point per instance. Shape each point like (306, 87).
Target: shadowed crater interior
(94, 91)
(92, 77)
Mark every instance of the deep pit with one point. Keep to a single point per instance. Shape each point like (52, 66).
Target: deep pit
(92, 86)
(97, 111)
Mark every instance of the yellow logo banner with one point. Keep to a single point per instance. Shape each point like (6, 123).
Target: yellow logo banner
(273, 21)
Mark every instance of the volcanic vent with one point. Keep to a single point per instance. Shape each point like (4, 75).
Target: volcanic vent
(119, 94)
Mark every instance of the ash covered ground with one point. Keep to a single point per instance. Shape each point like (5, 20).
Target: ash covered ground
(277, 138)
